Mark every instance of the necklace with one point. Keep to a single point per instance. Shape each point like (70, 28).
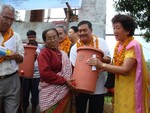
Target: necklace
(65, 45)
(91, 43)
(119, 55)
(8, 34)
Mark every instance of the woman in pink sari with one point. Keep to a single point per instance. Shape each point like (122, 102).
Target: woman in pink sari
(55, 71)
(131, 76)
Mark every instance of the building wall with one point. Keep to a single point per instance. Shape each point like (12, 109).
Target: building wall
(94, 11)
(22, 28)
(91, 10)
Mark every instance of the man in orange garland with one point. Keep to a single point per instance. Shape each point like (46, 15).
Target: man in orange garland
(9, 77)
(64, 43)
(86, 38)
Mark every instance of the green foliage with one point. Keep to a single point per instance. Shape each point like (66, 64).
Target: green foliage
(139, 10)
(148, 65)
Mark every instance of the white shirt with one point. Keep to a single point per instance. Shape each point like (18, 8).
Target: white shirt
(10, 66)
(36, 70)
(100, 89)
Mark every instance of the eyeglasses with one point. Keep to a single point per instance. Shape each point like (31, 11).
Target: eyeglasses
(6, 18)
(52, 38)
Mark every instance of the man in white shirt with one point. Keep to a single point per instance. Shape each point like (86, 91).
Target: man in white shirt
(30, 85)
(9, 78)
(96, 100)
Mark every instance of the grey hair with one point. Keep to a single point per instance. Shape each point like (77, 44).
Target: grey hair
(3, 6)
(63, 27)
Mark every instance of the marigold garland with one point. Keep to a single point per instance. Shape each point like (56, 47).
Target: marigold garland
(119, 55)
(7, 36)
(91, 43)
(65, 45)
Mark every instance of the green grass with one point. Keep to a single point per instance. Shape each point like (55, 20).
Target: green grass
(108, 99)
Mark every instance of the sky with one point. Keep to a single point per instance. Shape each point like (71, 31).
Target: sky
(110, 40)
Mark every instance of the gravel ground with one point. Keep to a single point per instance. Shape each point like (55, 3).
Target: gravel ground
(108, 108)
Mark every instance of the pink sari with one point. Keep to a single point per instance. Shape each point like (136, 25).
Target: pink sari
(141, 82)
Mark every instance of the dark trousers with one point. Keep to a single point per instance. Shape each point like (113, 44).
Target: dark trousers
(30, 85)
(96, 103)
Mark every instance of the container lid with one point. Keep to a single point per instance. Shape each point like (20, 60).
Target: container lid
(30, 46)
(92, 48)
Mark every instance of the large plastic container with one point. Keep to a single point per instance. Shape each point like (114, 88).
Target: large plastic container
(26, 69)
(85, 77)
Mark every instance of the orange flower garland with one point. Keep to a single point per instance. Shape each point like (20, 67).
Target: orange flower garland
(81, 44)
(119, 56)
(7, 36)
(65, 45)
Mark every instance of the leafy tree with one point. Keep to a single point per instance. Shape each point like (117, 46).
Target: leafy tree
(139, 10)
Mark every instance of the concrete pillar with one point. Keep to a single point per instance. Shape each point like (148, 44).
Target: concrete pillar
(95, 12)
(27, 16)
